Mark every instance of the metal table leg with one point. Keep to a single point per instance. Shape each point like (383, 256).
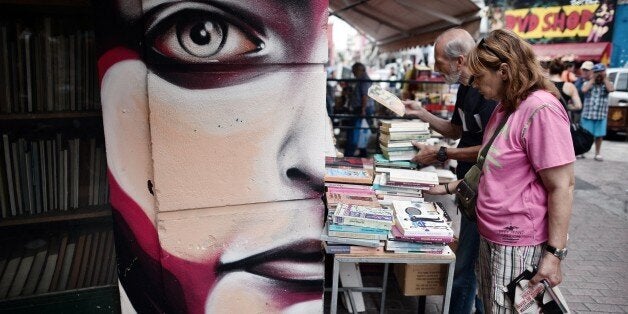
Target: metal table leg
(382, 304)
(334, 287)
(450, 280)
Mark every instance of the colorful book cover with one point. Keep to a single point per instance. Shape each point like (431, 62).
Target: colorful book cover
(363, 216)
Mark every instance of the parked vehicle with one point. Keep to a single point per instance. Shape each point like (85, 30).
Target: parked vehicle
(617, 120)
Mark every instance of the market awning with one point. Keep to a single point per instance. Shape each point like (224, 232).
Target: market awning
(582, 51)
(398, 24)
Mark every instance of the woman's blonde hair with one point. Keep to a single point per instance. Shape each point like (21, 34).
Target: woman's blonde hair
(525, 74)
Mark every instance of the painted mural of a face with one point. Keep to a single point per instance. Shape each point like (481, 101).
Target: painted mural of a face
(214, 122)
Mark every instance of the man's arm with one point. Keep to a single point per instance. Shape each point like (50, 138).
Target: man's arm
(609, 85)
(587, 85)
(440, 125)
(427, 153)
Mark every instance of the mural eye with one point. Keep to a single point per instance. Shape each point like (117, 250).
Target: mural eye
(200, 35)
(202, 38)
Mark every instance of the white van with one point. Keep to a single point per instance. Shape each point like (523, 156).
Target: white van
(618, 101)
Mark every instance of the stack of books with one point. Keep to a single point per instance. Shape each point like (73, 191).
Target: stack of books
(349, 180)
(395, 138)
(350, 170)
(403, 185)
(357, 229)
(421, 222)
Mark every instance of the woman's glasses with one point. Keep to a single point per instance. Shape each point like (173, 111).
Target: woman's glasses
(482, 44)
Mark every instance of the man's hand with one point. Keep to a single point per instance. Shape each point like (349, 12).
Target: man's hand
(426, 154)
(414, 109)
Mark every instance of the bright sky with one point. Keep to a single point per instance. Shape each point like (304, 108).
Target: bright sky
(341, 32)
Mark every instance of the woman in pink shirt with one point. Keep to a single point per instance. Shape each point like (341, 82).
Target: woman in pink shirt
(525, 192)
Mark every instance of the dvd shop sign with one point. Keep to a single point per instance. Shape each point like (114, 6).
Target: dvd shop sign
(551, 22)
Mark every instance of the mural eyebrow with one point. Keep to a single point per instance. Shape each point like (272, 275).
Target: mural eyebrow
(251, 19)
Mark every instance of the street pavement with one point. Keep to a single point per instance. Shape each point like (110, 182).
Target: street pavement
(595, 273)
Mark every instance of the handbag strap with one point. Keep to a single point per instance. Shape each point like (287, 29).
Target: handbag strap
(486, 147)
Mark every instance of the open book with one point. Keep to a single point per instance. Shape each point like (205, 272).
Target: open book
(387, 99)
(534, 299)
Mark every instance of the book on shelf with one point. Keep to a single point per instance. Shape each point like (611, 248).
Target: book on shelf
(399, 155)
(49, 269)
(48, 174)
(348, 170)
(386, 136)
(66, 266)
(425, 237)
(414, 247)
(425, 221)
(352, 241)
(380, 183)
(19, 279)
(351, 249)
(334, 198)
(342, 231)
(381, 161)
(363, 216)
(47, 65)
(11, 266)
(404, 126)
(80, 250)
(395, 144)
(36, 268)
(422, 177)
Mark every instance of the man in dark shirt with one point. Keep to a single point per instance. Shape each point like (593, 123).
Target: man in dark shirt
(471, 115)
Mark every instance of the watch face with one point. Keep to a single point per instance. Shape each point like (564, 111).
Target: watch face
(442, 154)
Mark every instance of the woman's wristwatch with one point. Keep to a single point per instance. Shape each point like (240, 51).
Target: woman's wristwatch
(560, 253)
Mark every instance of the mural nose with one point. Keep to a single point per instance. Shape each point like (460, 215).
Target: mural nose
(304, 178)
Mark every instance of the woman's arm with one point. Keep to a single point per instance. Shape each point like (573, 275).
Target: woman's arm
(559, 183)
(573, 93)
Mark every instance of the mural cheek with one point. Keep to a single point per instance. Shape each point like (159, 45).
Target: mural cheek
(127, 134)
(238, 144)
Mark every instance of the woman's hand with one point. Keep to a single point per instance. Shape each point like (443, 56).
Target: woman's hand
(549, 268)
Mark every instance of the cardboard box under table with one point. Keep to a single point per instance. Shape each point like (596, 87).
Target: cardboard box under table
(423, 279)
(447, 260)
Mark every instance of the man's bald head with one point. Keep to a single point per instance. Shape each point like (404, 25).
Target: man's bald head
(453, 43)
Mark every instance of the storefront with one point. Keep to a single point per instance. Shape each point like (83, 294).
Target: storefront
(559, 28)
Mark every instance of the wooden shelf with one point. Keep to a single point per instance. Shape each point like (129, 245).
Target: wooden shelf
(92, 212)
(50, 115)
(72, 3)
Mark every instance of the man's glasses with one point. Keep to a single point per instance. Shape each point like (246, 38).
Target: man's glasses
(482, 44)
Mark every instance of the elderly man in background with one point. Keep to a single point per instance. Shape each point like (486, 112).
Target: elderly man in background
(470, 117)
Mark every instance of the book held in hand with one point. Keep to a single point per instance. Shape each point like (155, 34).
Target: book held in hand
(387, 99)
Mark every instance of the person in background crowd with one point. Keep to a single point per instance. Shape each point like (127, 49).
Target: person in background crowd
(568, 74)
(468, 123)
(408, 89)
(585, 75)
(330, 93)
(360, 104)
(525, 192)
(568, 91)
(545, 62)
(596, 105)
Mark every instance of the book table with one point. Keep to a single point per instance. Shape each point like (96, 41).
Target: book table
(447, 257)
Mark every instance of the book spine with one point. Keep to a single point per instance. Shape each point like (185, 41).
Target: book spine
(357, 235)
(362, 222)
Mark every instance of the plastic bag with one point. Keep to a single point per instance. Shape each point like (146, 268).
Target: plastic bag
(362, 134)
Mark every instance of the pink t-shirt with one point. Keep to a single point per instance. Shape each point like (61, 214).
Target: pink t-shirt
(512, 201)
